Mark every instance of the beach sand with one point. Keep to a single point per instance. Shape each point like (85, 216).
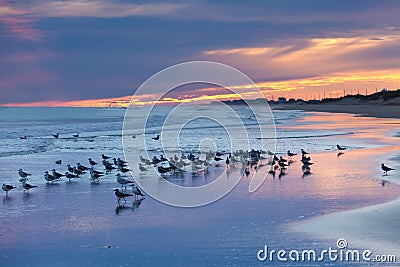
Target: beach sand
(376, 228)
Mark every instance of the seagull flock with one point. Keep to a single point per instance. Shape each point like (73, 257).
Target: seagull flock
(74, 172)
(249, 160)
(79, 170)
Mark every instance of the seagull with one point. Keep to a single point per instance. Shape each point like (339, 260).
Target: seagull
(121, 162)
(22, 137)
(56, 135)
(307, 163)
(136, 191)
(282, 165)
(303, 152)
(105, 157)
(94, 175)
(57, 175)
(217, 158)
(141, 168)
(7, 187)
(123, 181)
(122, 195)
(281, 159)
(70, 169)
(48, 177)
(340, 148)
(386, 169)
(81, 167)
(124, 170)
(96, 172)
(76, 135)
(91, 162)
(24, 175)
(77, 171)
(59, 161)
(27, 186)
(109, 167)
(156, 138)
(290, 154)
(70, 176)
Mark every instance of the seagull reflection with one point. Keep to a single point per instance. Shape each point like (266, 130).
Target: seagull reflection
(339, 154)
(122, 208)
(136, 203)
(7, 199)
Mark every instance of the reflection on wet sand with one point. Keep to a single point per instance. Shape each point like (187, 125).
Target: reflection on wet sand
(126, 207)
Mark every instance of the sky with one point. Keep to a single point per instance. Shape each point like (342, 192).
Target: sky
(96, 53)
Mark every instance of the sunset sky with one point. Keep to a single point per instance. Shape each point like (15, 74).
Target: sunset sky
(86, 52)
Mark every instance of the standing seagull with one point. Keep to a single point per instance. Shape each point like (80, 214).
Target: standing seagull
(303, 152)
(136, 191)
(123, 181)
(23, 174)
(105, 157)
(91, 162)
(57, 175)
(290, 154)
(386, 169)
(48, 177)
(122, 195)
(27, 186)
(340, 148)
(7, 187)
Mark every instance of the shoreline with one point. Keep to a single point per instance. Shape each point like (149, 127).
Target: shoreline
(367, 110)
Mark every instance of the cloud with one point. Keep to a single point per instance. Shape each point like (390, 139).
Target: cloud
(86, 8)
(305, 58)
(21, 28)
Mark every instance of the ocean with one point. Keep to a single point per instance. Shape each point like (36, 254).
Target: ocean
(79, 222)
